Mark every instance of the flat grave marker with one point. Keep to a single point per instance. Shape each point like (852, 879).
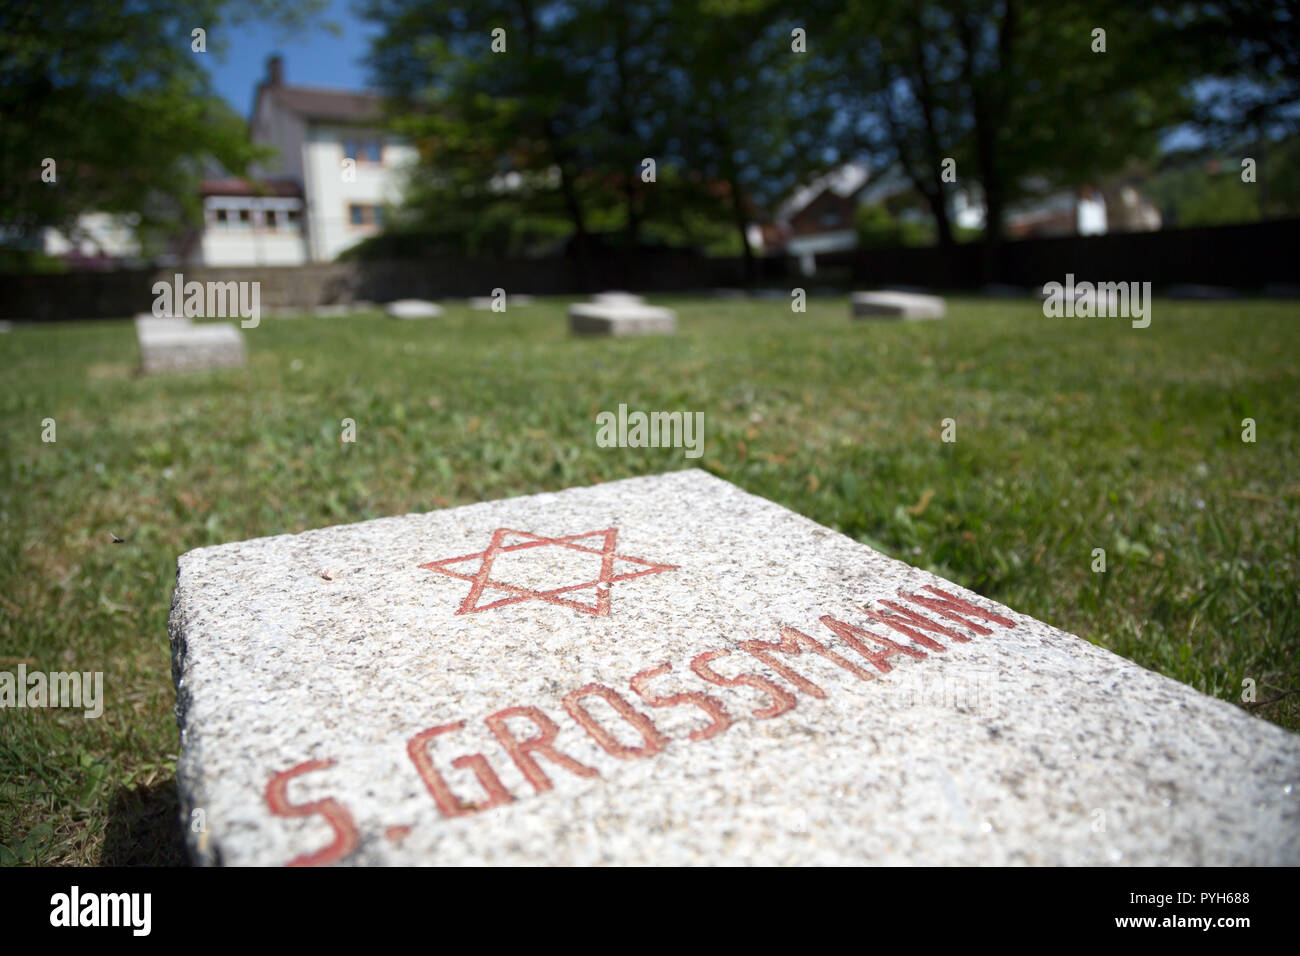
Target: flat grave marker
(668, 670)
(620, 319)
(413, 309)
(895, 305)
(177, 345)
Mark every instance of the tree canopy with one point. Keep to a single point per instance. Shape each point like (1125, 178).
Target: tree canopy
(600, 122)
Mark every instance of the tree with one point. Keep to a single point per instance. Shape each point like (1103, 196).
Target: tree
(898, 74)
(752, 118)
(118, 99)
(1248, 53)
(585, 91)
(1018, 95)
(494, 94)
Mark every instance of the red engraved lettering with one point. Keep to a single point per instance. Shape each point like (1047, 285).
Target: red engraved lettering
(782, 700)
(654, 741)
(710, 705)
(521, 751)
(904, 613)
(335, 814)
(952, 607)
(791, 639)
(448, 803)
(854, 636)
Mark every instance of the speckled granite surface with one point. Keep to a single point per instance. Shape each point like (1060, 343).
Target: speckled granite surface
(620, 318)
(176, 345)
(475, 685)
(896, 305)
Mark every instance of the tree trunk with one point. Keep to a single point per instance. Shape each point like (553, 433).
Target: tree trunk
(559, 152)
(581, 239)
(939, 199)
(738, 213)
(632, 229)
(931, 190)
(986, 111)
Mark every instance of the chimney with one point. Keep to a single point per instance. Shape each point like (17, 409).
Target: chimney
(275, 70)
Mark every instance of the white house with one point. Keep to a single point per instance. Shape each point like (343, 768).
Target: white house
(336, 173)
(820, 217)
(252, 223)
(97, 238)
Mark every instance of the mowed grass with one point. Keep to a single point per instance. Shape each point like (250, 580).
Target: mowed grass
(1072, 434)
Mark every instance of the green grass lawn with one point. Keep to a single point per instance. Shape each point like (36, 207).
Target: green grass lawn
(1072, 434)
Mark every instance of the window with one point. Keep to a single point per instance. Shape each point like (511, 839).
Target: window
(245, 219)
(365, 215)
(364, 150)
(272, 220)
(295, 219)
(222, 219)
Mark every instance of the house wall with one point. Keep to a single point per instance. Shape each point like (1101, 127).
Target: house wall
(262, 249)
(286, 132)
(329, 229)
(827, 213)
(254, 244)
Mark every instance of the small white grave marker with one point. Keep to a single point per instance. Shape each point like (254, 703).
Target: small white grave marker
(177, 345)
(896, 305)
(413, 309)
(620, 319)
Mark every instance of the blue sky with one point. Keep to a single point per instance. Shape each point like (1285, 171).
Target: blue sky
(313, 57)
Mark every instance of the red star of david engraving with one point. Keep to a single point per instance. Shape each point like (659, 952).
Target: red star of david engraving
(482, 578)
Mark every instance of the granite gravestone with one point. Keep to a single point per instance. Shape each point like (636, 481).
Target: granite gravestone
(895, 305)
(668, 670)
(620, 319)
(176, 345)
(413, 309)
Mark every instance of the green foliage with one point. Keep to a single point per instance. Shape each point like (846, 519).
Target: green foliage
(1193, 196)
(584, 94)
(1206, 189)
(1012, 92)
(877, 227)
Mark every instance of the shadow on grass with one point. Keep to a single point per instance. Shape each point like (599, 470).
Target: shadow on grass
(144, 828)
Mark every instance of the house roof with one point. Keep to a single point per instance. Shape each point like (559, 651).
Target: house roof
(334, 106)
(843, 181)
